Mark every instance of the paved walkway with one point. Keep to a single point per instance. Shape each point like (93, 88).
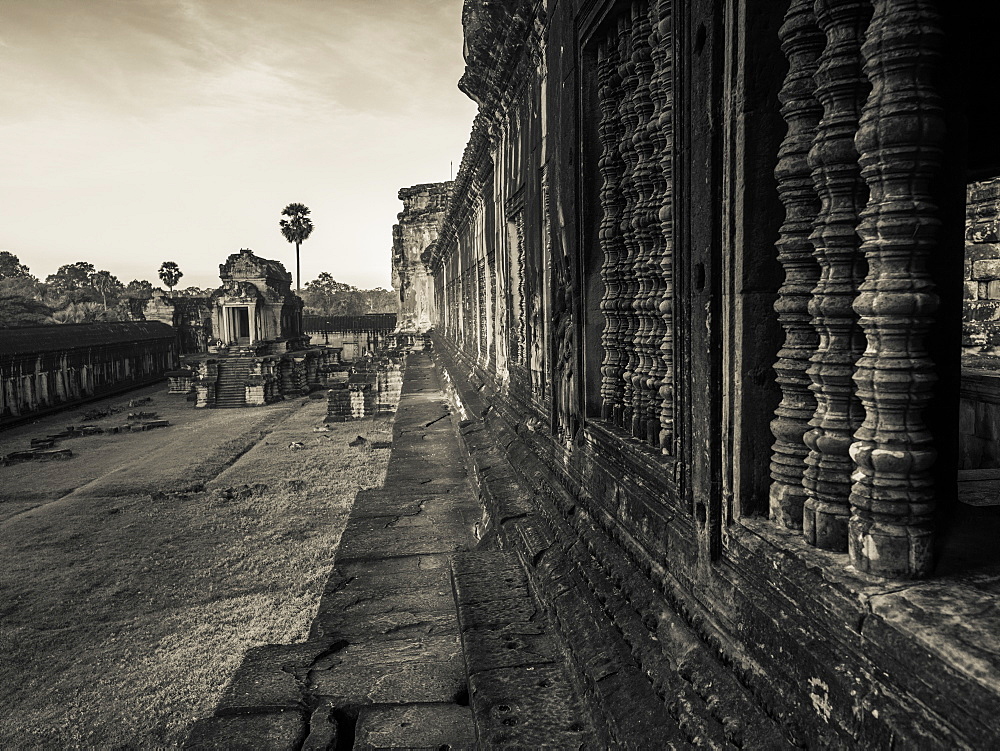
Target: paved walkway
(384, 665)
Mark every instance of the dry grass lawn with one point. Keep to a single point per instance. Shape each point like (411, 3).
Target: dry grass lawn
(134, 576)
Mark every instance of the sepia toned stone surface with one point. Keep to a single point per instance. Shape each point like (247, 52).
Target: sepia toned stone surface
(418, 225)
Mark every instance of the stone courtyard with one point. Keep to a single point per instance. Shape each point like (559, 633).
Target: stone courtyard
(134, 575)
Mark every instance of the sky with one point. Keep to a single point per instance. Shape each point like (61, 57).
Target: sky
(139, 131)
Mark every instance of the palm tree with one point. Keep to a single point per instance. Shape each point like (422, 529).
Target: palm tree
(105, 282)
(170, 274)
(296, 229)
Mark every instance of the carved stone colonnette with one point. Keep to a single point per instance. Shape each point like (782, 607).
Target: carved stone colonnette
(864, 485)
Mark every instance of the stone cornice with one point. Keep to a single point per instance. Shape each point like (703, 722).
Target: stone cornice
(504, 43)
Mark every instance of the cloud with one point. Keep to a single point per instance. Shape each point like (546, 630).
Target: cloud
(180, 128)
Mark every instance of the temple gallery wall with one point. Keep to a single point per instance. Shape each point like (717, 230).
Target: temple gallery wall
(702, 268)
(696, 396)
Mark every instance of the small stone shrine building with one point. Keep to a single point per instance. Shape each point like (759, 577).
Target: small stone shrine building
(255, 303)
(258, 353)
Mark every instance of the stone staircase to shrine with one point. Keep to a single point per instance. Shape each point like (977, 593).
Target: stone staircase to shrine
(231, 387)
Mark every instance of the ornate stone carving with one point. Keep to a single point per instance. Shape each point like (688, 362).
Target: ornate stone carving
(483, 328)
(841, 89)
(801, 42)
(902, 129)
(612, 250)
(661, 133)
(645, 421)
(632, 397)
(417, 230)
(516, 335)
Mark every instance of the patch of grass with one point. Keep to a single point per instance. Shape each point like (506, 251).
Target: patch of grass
(124, 614)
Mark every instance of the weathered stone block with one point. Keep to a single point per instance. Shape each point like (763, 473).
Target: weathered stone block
(528, 708)
(966, 417)
(276, 731)
(392, 683)
(511, 645)
(987, 421)
(978, 252)
(983, 310)
(986, 269)
(971, 450)
(415, 726)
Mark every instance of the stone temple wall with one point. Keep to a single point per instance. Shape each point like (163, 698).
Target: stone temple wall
(51, 367)
(711, 323)
(981, 325)
(979, 411)
(423, 208)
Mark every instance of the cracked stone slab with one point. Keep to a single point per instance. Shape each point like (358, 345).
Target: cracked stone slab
(496, 613)
(511, 645)
(391, 683)
(528, 708)
(444, 538)
(265, 680)
(436, 648)
(275, 731)
(359, 580)
(372, 601)
(414, 504)
(398, 625)
(367, 524)
(391, 567)
(414, 726)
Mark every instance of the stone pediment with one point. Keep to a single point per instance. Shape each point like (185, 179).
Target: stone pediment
(237, 290)
(247, 266)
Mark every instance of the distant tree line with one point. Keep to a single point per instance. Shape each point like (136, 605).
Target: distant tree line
(324, 295)
(81, 293)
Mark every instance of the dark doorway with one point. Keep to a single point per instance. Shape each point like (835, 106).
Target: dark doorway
(239, 324)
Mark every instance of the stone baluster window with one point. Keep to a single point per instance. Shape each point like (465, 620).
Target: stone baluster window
(515, 240)
(852, 455)
(900, 145)
(481, 302)
(841, 89)
(802, 43)
(634, 93)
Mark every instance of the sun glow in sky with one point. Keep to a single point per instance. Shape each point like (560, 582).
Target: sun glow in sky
(138, 131)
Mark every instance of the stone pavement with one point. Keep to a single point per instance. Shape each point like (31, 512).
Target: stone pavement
(384, 664)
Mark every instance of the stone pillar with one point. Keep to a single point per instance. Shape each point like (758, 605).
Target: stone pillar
(900, 142)
(841, 89)
(338, 405)
(802, 43)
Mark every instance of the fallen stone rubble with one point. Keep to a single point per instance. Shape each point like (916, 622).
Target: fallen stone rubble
(45, 449)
